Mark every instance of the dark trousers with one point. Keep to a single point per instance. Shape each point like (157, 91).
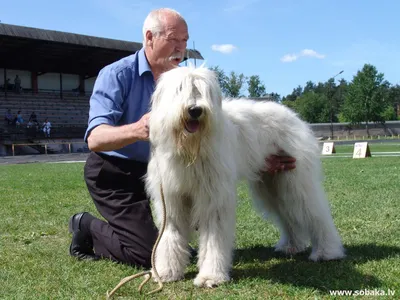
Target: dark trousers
(117, 189)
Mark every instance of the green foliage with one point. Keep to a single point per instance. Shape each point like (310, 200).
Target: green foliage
(275, 97)
(255, 87)
(312, 107)
(388, 114)
(342, 118)
(222, 79)
(365, 99)
(234, 84)
(289, 103)
(368, 97)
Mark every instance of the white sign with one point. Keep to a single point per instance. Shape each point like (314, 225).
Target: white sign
(328, 148)
(361, 150)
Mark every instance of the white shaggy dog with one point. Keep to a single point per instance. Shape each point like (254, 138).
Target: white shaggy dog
(202, 146)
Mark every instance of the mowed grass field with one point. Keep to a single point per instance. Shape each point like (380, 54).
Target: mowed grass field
(36, 201)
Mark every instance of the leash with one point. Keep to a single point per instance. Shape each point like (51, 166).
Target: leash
(147, 274)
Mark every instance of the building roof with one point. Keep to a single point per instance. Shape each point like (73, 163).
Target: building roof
(40, 50)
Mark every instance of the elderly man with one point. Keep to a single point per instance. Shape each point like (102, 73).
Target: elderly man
(117, 136)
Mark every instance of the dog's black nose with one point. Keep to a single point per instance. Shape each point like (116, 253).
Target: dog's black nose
(195, 111)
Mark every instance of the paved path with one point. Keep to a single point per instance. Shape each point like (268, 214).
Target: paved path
(373, 154)
(81, 157)
(40, 158)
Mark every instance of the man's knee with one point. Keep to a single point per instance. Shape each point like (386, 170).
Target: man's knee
(140, 258)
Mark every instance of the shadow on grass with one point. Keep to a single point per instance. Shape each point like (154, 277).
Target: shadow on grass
(299, 271)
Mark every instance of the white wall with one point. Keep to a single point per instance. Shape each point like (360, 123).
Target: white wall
(70, 82)
(48, 81)
(89, 84)
(51, 81)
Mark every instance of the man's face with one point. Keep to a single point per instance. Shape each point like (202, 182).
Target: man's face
(169, 46)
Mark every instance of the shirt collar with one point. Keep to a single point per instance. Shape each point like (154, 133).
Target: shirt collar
(143, 63)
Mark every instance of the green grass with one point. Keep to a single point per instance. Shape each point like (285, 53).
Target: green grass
(37, 200)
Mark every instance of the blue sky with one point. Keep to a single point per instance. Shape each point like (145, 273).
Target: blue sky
(285, 42)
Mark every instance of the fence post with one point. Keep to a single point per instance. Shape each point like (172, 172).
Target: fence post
(69, 148)
(13, 149)
(45, 148)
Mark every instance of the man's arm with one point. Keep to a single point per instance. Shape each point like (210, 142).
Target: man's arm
(104, 133)
(107, 138)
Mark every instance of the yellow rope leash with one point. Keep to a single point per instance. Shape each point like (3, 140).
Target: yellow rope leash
(147, 274)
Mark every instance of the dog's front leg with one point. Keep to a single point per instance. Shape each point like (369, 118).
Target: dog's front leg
(172, 254)
(217, 234)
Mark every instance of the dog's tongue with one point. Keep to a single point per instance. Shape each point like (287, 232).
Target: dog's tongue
(192, 126)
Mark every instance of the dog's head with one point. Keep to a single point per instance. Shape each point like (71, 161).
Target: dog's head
(186, 105)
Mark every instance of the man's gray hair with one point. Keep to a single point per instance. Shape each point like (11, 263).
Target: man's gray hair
(155, 21)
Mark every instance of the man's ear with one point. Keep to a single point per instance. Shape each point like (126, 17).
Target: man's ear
(149, 38)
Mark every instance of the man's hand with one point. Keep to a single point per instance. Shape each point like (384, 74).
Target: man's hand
(280, 162)
(141, 128)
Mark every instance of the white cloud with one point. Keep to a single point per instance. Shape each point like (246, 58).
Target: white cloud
(312, 53)
(303, 53)
(224, 48)
(289, 58)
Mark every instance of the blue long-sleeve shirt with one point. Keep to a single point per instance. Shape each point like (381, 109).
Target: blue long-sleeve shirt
(121, 96)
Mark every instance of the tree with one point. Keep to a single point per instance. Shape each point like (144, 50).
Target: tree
(309, 87)
(394, 98)
(275, 97)
(313, 107)
(365, 100)
(340, 94)
(297, 92)
(222, 78)
(234, 84)
(231, 85)
(389, 113)
(256, 88)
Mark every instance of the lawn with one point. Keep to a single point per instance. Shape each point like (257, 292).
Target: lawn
(37, 200)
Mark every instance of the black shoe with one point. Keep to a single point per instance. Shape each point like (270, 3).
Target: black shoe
(81, 245)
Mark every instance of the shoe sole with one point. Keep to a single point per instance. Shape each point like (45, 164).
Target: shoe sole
(70, 229)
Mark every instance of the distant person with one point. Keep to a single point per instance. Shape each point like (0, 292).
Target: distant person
(33, 118)
(18, 119)
(8, 117)
(17, 84)
(46, 128)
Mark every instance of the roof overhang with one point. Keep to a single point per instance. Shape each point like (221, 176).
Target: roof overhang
(40, 50)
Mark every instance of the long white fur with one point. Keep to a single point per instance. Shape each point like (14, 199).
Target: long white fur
(241, 134)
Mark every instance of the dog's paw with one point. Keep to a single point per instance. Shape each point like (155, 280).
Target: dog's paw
(290, 249)
(326, 255)
(210, 280)
(167, 276)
